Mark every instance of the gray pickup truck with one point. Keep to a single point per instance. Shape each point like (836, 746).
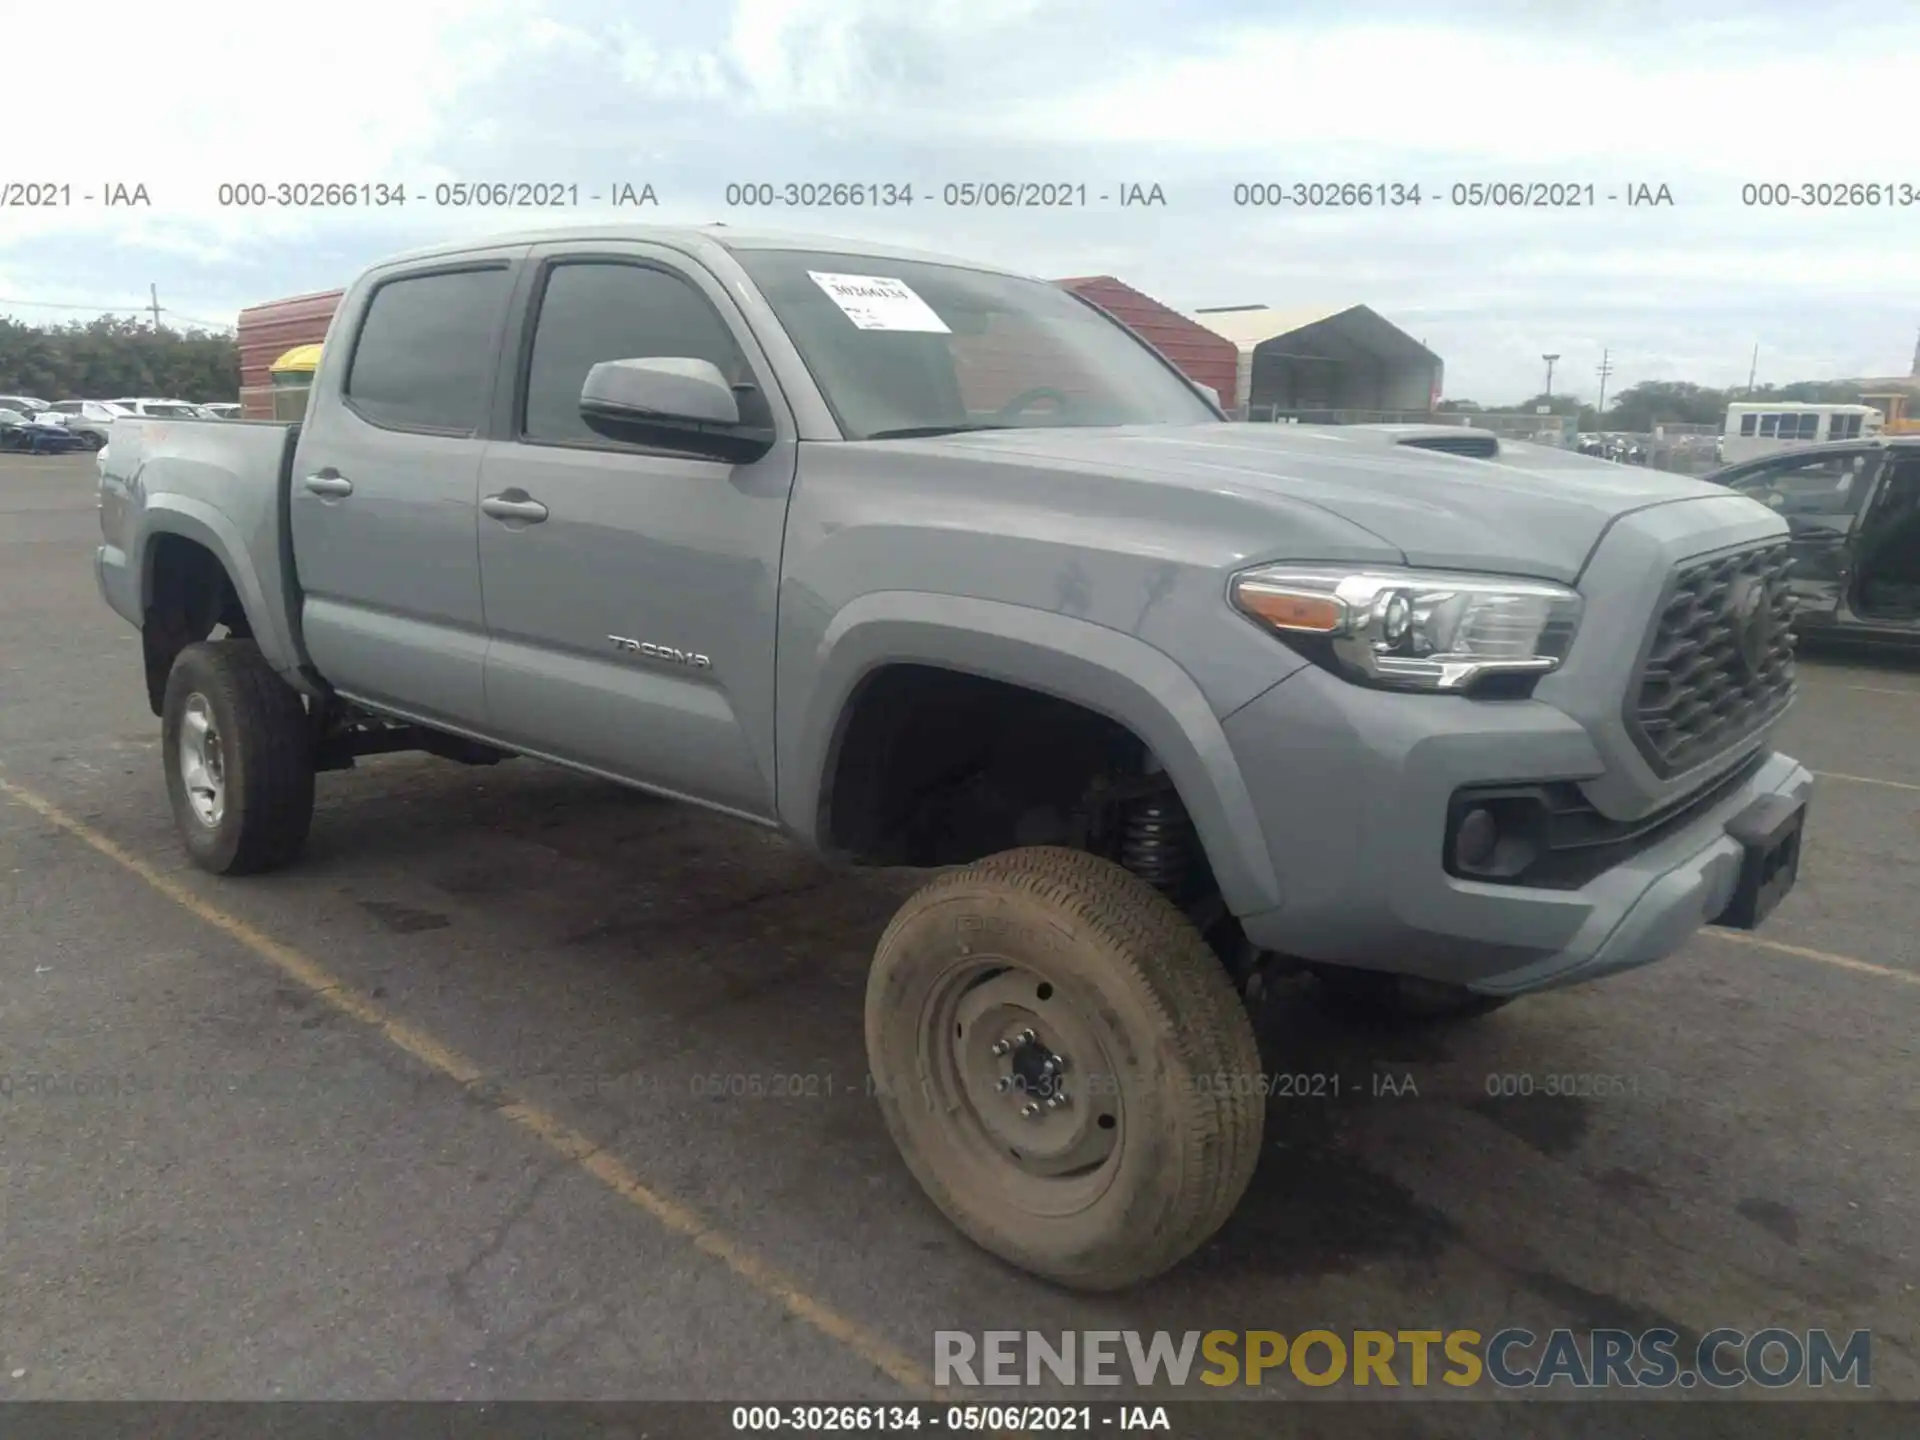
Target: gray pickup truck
(927, 564)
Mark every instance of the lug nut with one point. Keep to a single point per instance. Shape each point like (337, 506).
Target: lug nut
(1057, 1101)
(1029, 1110)
(1001, 1047)
(1003, 1084)
(1027, 1037)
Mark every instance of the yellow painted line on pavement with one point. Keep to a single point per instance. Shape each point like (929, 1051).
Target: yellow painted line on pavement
(1865, 780)
(1824, 957)
(543, 1125)
(1884, 690)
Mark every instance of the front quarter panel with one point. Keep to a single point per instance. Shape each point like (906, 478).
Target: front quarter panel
(1103, 670)
(1107, 591)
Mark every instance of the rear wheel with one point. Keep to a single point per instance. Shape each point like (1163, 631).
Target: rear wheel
(1375, 994)
(239, 759)
(1065, 1066)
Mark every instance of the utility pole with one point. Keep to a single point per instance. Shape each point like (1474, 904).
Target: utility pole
(1549, 359)
(1606, 369)
(153, 292)
(1753, 371)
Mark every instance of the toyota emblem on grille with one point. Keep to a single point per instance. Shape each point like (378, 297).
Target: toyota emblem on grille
(1750, 613)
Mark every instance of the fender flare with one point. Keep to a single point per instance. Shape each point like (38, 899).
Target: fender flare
(172, 514)
(1104, 670)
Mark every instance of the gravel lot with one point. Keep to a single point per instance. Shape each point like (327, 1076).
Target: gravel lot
(434, 1113)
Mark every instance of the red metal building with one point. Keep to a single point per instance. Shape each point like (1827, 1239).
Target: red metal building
(1196, 351)
(266, 332)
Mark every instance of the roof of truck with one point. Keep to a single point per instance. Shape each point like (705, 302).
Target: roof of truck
(696, 239)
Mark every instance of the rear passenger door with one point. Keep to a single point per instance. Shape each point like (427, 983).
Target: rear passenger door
(632, 617)
(385, 491)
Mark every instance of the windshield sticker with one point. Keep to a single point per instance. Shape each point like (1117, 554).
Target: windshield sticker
(880, 302)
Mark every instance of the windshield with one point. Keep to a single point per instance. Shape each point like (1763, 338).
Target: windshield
(902, 348)
(165, 409)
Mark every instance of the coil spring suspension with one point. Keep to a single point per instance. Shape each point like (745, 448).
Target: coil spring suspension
(1157, 844)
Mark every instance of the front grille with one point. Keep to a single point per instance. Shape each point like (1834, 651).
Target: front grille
(1480, 447)
(1718, 664)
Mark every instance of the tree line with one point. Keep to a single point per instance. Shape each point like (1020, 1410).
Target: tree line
(117, 355)
(1638, 408)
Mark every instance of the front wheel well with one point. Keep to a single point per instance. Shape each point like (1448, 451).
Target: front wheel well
(189, 595)
(936, 767)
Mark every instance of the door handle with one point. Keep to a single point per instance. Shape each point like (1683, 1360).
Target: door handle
(514, 505)
(332, 486)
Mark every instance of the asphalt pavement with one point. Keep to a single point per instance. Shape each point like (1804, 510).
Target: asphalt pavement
(523, 1085)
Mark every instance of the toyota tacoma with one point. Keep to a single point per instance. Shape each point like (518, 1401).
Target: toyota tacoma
(923, 563)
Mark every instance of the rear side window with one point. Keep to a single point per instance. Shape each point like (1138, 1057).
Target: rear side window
(424, 356)
(592, 311)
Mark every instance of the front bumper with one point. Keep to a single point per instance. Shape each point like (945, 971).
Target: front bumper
(1352, 786)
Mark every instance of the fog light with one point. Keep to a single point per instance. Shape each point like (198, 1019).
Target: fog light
(1476, 840)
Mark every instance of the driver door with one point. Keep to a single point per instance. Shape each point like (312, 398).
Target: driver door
(1820, 495)
(630, 593)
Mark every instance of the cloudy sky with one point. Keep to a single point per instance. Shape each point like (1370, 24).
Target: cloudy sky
(1195, 97)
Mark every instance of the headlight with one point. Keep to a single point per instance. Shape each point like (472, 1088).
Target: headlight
(1413, 629)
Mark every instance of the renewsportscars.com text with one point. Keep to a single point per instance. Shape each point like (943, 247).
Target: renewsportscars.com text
(1510, 1358)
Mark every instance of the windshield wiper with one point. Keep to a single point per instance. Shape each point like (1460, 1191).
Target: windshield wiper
(924, 432)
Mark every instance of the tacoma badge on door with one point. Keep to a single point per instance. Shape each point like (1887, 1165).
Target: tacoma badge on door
(668, 653)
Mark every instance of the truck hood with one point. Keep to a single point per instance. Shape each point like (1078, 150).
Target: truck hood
(1446, 511)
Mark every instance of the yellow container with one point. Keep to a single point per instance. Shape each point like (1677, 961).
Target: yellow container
(302, 360)
(291, 377)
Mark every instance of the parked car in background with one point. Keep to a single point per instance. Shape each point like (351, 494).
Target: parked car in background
(161, 409)
(222, 411)
(1854, 512)
(91, 420)
(21, 431)
(25, 404)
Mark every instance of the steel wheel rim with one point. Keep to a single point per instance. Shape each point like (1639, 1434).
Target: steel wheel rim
(1059, 1160)
(203, 762)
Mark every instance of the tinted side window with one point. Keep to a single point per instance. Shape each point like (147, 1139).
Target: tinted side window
(1818, 485)
(424, 356)
(593, 311)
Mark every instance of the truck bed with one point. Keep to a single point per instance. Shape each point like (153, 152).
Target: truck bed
(222, 484)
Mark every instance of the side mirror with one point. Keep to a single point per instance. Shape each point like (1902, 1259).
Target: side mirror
(675, 402)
